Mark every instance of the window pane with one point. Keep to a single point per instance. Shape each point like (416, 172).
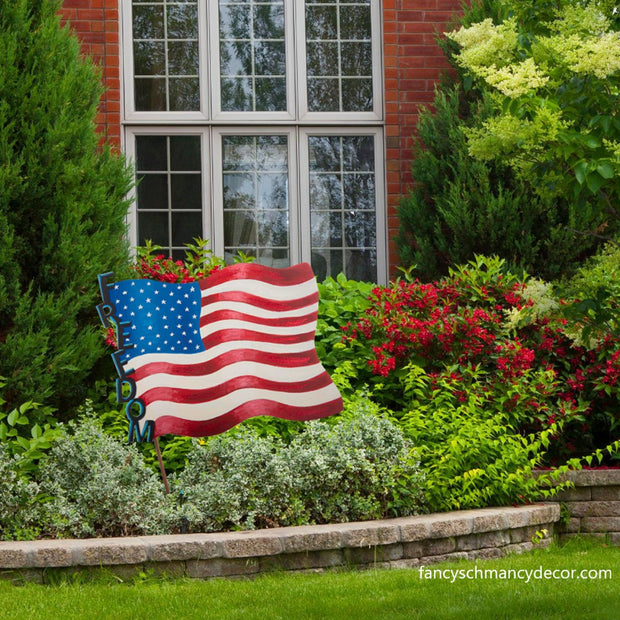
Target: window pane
(185, 228)
(153, 226)
(151, 153)
(338, 47)
(256, 198)
(165, 43)
(252, 56)
(152, 191)
(148, 22)
(343, 206)
(184, 152)
(185, 191)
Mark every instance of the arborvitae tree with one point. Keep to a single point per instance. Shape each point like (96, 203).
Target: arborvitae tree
(460, 206)
(62, 208)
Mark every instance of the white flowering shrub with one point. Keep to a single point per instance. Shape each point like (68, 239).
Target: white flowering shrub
(97, 486)
(359, 467)
(552, 72)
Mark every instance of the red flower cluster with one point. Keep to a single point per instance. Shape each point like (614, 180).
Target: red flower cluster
(165, 269)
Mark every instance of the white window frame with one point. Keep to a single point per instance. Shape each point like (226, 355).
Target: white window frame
(291, 83)
(380, 198)
(217, 214)
(211, 123)
(163, 116)
(377, 74)
(205, 170)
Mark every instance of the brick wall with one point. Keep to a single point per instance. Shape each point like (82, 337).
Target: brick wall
(412, 61)
(97, 25)
(412, 64)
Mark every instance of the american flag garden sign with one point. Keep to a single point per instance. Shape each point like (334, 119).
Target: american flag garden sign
(197, 358)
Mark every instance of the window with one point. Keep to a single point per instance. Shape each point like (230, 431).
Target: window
(258, 125)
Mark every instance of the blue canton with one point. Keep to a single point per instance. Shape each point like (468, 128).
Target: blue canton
(164, 317)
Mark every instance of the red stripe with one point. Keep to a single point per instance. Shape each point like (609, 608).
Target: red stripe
(261, 302)
(231, 315)
(234, 335)
(194, 397)
(289, 276)
(203, 428)
(284, 360)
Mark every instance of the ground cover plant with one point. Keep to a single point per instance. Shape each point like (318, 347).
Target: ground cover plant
(347, 594)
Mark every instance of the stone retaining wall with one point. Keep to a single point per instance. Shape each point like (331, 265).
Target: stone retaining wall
(592, 507)
(392, 543)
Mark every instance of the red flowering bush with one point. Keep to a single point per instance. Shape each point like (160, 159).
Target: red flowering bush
(537, 372)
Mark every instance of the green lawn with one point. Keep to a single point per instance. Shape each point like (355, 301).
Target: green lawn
(386, 594)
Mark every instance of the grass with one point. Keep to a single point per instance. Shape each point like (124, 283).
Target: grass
(348, 594)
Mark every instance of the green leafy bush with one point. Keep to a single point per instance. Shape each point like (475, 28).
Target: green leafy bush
(18, 499)
(98, 486)
(357, 468)
(471, 450)
(62, 209)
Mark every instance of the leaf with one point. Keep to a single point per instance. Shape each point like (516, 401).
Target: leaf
(606, 170)
(580, 171)
(12, 417)
(594, 182)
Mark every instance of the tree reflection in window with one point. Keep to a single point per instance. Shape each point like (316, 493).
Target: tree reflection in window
(256, 197)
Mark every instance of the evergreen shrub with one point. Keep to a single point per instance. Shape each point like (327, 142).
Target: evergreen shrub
(62, 209)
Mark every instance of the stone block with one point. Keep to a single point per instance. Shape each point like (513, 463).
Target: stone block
(614, 539)
(486, 554)
(522, 547)
(483, 540)
(368, 534)
(577, 494)
(596, 477)
(610, 493)
(415, 530)
(405, 563)
(413, 549)
(223, 567)
(251, 545)
(452, 525)
(490, 522)
(600, 524)
(371, 556)
(13, 554)
(303, 561)
(309, 538)
(182, 547)
(439, 546)
(518, 517)
(109, 551)
(594, 509)
(448, 557)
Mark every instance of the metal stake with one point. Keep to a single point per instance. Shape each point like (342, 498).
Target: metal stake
(161, 466)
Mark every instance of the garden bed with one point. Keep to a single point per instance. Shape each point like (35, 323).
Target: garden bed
(392, 543)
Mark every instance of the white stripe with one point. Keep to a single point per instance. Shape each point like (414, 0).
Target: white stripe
(278, 330)
(213, 352)
(232, 371)
(271, 292)
(221, 406)
(252, 310)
